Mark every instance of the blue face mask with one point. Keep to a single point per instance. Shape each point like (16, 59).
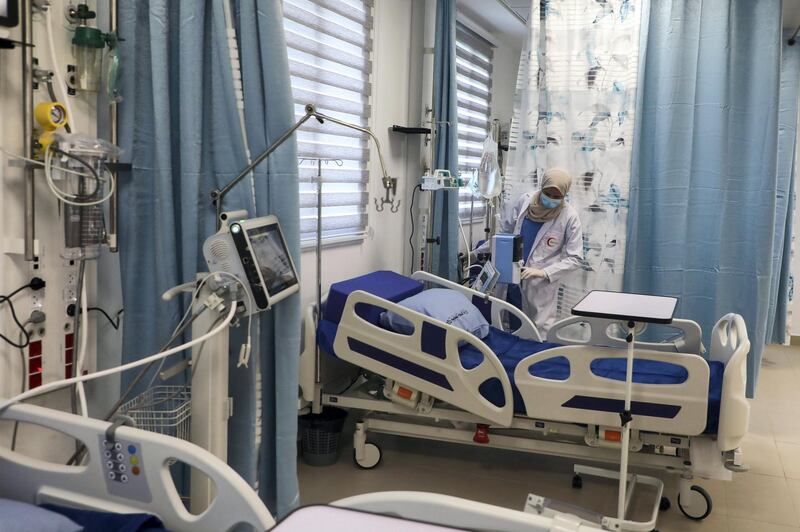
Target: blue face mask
(549, 202)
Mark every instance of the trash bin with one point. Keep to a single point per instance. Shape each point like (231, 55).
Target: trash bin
(319, 436)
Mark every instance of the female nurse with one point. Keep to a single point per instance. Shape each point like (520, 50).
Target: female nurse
(552, 246)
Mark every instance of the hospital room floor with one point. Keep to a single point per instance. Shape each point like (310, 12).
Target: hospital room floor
(765, 499)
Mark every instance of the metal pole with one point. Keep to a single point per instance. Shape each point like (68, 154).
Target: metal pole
(27, 130)
(318, 370)
(113, 210)
(218, 195)
(625, 418)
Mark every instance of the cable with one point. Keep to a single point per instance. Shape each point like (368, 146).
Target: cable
(132, 385)
(83, 337)
(48, 173)
(466, 242)
(57, 385)
(411, 215)
(84, 163)
(115, 322)
(20, 326)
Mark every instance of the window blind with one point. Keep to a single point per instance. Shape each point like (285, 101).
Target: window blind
(330, 61)
(474, 86)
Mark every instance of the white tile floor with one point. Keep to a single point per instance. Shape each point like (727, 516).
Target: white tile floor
(766, 499)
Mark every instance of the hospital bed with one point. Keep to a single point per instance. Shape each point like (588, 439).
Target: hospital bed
(512, 390)
(145, 486)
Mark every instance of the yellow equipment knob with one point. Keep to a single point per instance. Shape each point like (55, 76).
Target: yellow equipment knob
(50, 116)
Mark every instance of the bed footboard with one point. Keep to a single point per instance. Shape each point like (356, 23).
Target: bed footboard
(427, 360)
(730, 345)
(145, 485)
(586, 397)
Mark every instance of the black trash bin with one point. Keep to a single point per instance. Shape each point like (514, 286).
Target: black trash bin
(319, 436)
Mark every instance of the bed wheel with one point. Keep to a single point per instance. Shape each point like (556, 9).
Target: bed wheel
(701, 504)
(664, 504)
(372, 456)
(577, 482)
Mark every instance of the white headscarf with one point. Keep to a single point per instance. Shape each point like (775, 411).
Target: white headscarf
(553, 178)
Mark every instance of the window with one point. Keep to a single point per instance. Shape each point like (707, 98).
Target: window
(329, 46)
(474, 78)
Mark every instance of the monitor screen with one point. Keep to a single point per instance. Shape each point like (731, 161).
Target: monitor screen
(9, 15)
(272, 257)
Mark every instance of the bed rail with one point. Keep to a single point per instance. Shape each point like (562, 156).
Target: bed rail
(730, 345)
(394, 355)
(585, 397)
(152, 491)
(496, 306)
(599, 333)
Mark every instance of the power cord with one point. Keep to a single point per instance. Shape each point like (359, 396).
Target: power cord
(35, 284)
(411, 215)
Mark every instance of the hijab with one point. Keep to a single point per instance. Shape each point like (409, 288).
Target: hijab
(553, 178)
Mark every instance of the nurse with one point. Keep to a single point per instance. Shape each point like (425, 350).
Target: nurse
(552, 246)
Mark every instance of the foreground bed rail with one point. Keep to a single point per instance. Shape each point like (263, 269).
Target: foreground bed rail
(426, 360)
(150, 490)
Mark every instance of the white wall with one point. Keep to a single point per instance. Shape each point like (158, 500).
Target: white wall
(14, 270)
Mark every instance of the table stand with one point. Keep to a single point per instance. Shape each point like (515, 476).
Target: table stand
(631, 309)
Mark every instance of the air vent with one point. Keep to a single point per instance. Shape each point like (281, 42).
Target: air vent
(220, 249)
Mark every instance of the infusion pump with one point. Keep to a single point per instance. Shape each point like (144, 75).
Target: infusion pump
(255, 251)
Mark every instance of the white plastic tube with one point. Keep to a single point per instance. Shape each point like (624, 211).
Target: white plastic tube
(61, 87)
(57, 385)
(84, 340)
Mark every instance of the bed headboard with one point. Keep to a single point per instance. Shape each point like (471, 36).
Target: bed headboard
(128, 475)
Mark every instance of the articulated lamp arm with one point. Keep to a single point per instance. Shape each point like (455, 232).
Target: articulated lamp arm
(389, 183)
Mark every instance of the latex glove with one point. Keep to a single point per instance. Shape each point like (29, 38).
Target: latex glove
(532, 273)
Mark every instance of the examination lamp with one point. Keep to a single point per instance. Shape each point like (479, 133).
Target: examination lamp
(389, 183)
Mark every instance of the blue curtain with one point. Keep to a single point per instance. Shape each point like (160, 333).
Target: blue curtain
(706, 193)
(269, 112)
(787, 146)
(179, 127)
(181, 130)
(444, 262)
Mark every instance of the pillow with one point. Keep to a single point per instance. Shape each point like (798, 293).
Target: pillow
(18, 516)
(443, 304)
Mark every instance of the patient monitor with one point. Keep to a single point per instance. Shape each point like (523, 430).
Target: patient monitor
(254, 251)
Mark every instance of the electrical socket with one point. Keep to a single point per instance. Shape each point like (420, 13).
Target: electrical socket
(70, 282)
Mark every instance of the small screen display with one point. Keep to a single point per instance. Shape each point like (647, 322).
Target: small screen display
(3, 8)
(272, 258)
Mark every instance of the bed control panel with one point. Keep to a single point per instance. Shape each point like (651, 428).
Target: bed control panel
(123, 466)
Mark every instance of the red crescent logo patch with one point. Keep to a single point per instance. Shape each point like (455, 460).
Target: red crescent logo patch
(551, 242)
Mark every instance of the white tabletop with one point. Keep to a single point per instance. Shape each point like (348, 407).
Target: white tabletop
(623, 306)
(335, 519)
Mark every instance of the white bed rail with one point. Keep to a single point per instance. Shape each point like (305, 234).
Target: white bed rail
(730, 345)
(308, 355)
(683, 406)
(462, 513)
(356, 335)
(599, 333)
(527, 330)
(150, 491)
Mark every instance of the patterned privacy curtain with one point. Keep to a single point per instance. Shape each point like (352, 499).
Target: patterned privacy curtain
(574, 109)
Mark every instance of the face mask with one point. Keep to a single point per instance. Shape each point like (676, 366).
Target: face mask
(549, 202)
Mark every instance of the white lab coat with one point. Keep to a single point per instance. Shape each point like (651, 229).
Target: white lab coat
(557, 249)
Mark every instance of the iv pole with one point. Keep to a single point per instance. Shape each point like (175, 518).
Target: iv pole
(389, 183)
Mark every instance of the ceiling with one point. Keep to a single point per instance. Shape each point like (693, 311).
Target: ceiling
(791, 10)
